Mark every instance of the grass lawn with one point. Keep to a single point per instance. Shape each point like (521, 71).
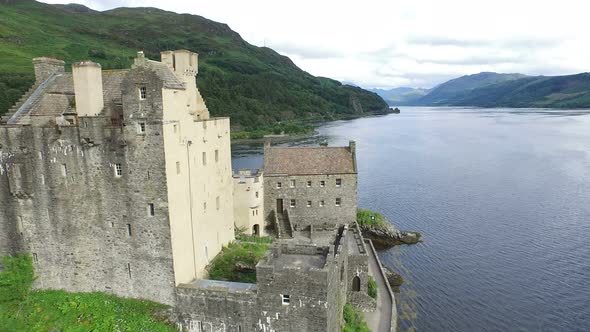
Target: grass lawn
(237, 262)
(366, 217)
(23, 309)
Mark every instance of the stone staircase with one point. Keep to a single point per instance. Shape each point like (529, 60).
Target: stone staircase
(19, 103)
(285, 230)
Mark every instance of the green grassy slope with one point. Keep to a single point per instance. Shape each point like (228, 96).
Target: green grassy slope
(23, 309)
(254, 85)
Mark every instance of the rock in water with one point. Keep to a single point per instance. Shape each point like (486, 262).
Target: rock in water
(386, 236)
(395, 280)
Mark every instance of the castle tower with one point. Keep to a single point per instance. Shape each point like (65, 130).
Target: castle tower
(184, 64)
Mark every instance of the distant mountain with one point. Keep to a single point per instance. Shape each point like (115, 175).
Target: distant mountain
(458, 88)
(511, 90)
(255, 86)
(400, 96)
(571, 91)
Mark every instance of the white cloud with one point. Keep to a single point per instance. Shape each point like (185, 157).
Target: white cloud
(411, 42)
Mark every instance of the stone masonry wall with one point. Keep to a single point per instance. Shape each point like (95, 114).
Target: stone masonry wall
(317, 295)
(358, 266)
(216, 310)
(86, 228)
(303, 215)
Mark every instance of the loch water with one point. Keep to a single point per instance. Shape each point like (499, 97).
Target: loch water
(502, 198)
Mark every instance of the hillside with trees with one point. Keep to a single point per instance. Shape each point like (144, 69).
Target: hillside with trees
(253, 85)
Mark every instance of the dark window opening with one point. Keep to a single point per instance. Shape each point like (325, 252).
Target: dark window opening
(356, 284)
(151, 210)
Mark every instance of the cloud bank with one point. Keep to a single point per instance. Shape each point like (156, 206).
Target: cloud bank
(418, 43)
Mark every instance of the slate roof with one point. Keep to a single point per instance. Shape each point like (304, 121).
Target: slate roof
(165, 74)
(58, 96)
(308, 161)
(55, 96)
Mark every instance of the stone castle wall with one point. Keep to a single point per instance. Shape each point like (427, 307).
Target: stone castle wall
(87, 228)
(317, 292)
(303, 215)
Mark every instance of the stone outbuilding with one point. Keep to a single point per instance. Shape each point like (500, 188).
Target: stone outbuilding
(306, 186)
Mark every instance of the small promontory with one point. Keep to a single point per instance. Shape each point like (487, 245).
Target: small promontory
(381, 232)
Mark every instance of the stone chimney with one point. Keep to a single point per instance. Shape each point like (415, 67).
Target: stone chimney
(352, 147)
(45, 67)
(88, 88)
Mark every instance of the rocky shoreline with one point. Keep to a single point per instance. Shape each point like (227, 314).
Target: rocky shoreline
(386, 236)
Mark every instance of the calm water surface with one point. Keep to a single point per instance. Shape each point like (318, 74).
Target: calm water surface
(502, 198)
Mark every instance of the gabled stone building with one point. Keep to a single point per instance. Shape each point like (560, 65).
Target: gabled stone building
(306, 186)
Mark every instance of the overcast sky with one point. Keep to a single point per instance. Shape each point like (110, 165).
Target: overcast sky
(416, 43)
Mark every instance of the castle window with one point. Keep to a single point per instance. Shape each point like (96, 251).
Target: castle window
(216, 155)
(338, 182)
(204, 206)
(64, 170)
(178, 167)
(141, 128)
(308, 203)
(204, 158)
(292, 183)
(338, 201)
(322, 183)
(217, 202)
(35, 258)
(239, 328)
(118, 170)
(129, 270)
(256, 194)
(128, 230)
(322, 203)
(292, 203)
(256, 211)
(175, 128)
(279, 185)
(285, 299)
(151, 210)
(308, 184)
(142, 92)
(253, 213)
(40, 155)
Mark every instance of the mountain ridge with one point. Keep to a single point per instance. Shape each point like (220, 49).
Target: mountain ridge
(489, 89)
(255, 86)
